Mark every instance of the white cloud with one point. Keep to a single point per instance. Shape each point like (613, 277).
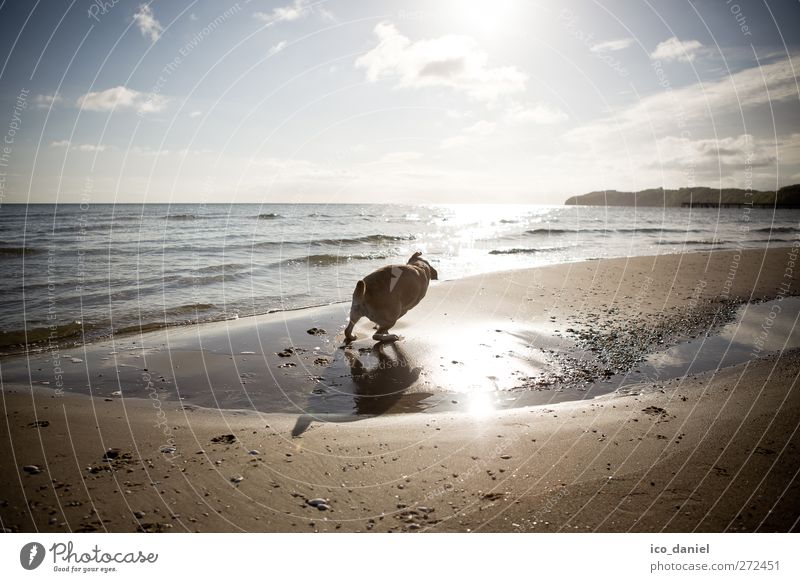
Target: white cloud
(88, 147)
(673, 49)
(295, 11)
(539, 114)
(47, 101)
(85, 147)
(470, 135)
(400, 157)
(449, 61)
(277, 48)
(709, 155)
(667, 111)
(147, 23)
(612, 45)
(480, 128)
(122, 98)
(456, 114)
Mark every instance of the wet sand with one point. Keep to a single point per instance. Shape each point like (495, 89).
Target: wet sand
(710, 452)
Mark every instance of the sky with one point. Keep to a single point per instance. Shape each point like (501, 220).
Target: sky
(474, 101)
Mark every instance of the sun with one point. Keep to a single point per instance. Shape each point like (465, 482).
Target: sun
(486, 18)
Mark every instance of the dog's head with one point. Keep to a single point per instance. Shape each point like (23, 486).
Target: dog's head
(416, 259)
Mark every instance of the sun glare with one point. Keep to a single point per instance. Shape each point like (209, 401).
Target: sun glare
(485, 17)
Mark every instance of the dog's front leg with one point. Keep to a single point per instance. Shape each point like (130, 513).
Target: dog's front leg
(355, 315)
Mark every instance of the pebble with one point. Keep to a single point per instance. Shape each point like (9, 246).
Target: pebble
(31, 469)
(254, 452)
(138, 514)
(505, 457)
(317, 501)
(237, 479)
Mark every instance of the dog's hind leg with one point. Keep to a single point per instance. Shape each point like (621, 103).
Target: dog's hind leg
(383, 335)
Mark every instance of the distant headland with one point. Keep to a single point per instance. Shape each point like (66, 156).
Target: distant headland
(701, 197)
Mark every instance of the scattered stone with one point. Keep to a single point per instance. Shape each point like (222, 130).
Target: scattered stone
(112, 454)
(505, 457)
(654, 411)
(237, 479)
(39, 424)
(285, 353)
(254, 452)
(138, 514)
(494, 496)
(166, 449)
(316, 331)
(287, 365)
(226, 439)
(32, 469)
(317, 502)
(76, 360)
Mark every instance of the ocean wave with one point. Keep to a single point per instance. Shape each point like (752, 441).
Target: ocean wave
(38, 335)
(323, 260)
(693, 242)
(203, 279)
(525, 251)
(645, 230)
(269, 216)
(188, 308)
(17, 251)
(226, 268)
(777, 229)
(771, 240)
(537, 231)
(370, 238)
(181, 217)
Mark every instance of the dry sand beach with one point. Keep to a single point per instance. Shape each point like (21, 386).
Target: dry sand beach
(479, 422)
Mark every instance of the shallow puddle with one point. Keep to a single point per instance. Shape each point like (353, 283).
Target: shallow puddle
(757, 330)
(280, 364)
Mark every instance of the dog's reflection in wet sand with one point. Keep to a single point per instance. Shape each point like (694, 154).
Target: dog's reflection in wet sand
(377, 389)
(380, 387)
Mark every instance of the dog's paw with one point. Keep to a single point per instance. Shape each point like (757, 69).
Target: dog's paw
(386, 337)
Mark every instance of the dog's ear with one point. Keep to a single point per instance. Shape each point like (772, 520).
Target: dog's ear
(414, 257)
(434, 273)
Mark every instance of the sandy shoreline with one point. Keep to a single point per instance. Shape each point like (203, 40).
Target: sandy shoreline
(712, 452)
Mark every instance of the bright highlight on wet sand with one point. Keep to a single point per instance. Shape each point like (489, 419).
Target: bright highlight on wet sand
(400, 266)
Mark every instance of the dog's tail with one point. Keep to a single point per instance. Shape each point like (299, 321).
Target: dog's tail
(360, 291)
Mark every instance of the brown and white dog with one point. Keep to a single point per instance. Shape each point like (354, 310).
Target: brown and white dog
(387, 294)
